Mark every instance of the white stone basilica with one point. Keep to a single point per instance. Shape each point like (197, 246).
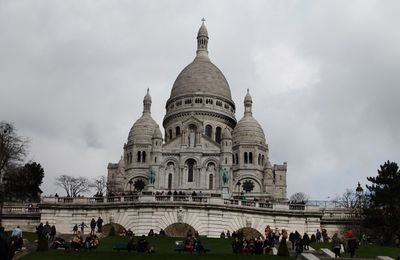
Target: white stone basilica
(204, 148)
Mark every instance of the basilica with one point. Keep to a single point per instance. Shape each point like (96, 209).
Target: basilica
(203, 149)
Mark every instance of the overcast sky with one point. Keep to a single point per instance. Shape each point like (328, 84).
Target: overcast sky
(324, 76)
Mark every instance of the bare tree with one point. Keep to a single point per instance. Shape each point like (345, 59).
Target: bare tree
(73, 186)
(299, 197)
(348, 200)
(99, 184)
(13, 148)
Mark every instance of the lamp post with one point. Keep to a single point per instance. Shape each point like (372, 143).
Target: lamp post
(359, 193)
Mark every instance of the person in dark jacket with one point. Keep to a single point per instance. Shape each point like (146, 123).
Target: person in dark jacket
(92, 226)
(306, 241)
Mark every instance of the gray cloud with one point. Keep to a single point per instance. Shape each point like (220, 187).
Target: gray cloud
(323, 76)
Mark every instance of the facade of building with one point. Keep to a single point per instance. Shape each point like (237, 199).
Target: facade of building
(204, 148)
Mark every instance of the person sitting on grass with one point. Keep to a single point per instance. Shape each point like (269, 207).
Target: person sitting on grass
(142, 245)
(236, 245)
(189, 243)
(76, 242)
(131, 244)
(198, 246)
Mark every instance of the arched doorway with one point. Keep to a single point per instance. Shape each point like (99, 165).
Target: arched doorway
(248, 233)
(179, 230)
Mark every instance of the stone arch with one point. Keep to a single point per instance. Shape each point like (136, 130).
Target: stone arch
(118, 228)
(170, 159)
(179, 230)
(210, 160)
(248, 233)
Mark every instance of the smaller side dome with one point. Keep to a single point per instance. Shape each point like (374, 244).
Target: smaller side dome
(248, 130)
(226, 134)
(157, 133)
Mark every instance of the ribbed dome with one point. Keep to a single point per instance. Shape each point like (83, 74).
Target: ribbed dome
(248, 130)
(142, 130)
(226, 134)
(157, 133)
(201, 76)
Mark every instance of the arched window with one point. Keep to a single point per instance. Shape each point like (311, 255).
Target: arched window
(259, 159)
(190, 164)
(139, 155)
(143, 156)
(218, 135)
(226, 160)
(177, 131)
(250, 157)
(170, 181)
(237, 159)
(211, 182)
(245, 158)
(170, 134)
(233, 159)
(130, 157)
(155, 159)
(208, 131)
(262, 160)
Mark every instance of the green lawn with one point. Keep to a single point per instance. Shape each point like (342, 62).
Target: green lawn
(164, 248)
(368, 251)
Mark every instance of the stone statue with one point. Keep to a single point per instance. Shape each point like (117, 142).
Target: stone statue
(225, 176)
(152, 176)
(192, 138)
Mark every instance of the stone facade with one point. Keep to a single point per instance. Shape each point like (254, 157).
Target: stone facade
(204, 148)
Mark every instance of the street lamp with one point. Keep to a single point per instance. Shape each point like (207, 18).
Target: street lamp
(359, 193)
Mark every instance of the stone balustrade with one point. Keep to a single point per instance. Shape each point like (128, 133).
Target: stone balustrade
(179, 199)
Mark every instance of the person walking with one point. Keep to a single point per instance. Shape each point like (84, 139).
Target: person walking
(82, 226)
(336, 245)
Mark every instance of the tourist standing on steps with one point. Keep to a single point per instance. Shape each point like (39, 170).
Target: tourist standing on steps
(53, 232)
(99, 225)
(82, 226)
(75, 229)
(318, 236)
(336, 245)
(92, 226)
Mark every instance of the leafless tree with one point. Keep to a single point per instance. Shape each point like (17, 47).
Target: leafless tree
(299, 197)
(99, 184)
(73, 186)
(13, 148)
(348, 200)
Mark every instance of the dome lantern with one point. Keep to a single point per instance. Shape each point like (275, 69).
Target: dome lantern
(147, 103)
(248, 102)
(202, 41)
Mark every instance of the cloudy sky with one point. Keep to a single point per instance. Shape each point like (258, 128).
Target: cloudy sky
(324, 76)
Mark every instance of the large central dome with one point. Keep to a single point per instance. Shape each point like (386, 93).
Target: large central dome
(201, 76)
